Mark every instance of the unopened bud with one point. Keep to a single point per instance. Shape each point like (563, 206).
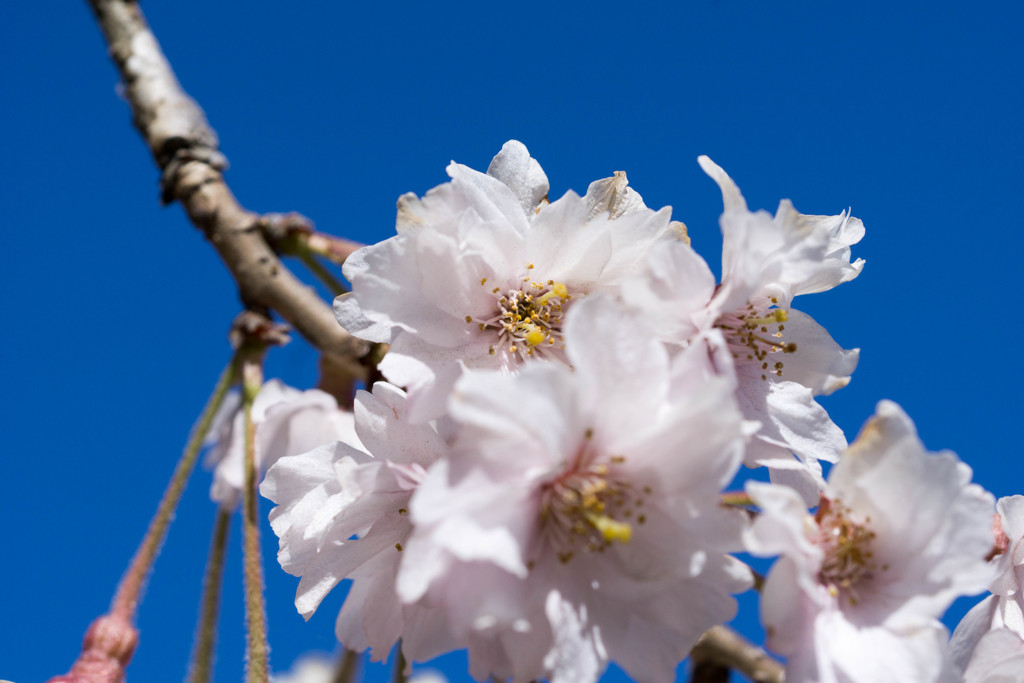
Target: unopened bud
(108, 647)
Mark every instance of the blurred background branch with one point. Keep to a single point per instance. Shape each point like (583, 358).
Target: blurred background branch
(185, 149)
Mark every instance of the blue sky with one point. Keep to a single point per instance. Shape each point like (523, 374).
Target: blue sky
(117, 310)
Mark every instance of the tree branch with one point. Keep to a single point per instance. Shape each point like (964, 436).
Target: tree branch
(721, 647)
(185, 149)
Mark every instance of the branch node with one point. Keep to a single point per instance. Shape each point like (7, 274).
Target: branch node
(172, 164)
(278, 228)
(250, 326)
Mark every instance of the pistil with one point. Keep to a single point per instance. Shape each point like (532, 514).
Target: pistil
(847, 543)
(590, 508)
(528, 317)
(755, 332)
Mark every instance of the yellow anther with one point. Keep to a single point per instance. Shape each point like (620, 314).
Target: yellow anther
(469, 318)
(535, 336)
(610, 529)
(775, 315)
(529, 266)
(558, 289)
(483, 281)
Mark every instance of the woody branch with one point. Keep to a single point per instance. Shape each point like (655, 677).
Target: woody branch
(185, 149)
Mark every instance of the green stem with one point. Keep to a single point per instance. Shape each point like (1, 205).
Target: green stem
(332, 248)
(758, 581)
(400, 665)
(332, 283)
(128, 592)
(348, 663)
(251, 359)
(737, 498)
(206, 637)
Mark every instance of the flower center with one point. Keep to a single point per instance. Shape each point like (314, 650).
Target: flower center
(755, 332)
(528, 317)
(587, 510)
(846, 542)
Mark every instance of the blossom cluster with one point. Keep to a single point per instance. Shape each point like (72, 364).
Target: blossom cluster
(570, 390)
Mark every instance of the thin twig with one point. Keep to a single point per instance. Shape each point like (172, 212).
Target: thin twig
(206, 635)
(325, 276)
(400, 664)
(127, 595)
(289, 232)
(111, 639)
(251, 361)
(185, 149)
(348, 664)
(721, 647)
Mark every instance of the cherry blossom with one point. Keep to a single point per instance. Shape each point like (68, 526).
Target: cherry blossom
(899, 534)
(343, 512)
(997, 658)
(318, 668)
(781, 356)
(577, 519)
(288, 421)
(484, 269)
(1004, 609)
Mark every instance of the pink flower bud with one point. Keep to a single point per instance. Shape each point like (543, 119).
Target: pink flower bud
(108, 647)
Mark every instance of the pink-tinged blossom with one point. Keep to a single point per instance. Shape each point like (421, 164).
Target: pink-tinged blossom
(1004, 609)
(483, 270)
(899, 534)
(342, 512)
(287, 421)
(782, 357)
(319, 668)
(577, 520)
(998, 657)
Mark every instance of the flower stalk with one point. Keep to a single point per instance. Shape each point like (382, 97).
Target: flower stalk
(206, 636)
(127, 597)
(348, 663)
(332, 283)
(111, 639)
(250, 361)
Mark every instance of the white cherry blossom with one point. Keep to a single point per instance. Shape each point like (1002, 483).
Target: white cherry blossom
(288, 421)
(997, 658)
(577, 520)
(318, 668)
(483, 270)
(1004, 609)
(342, 512)
(899, 534)
(781, 356)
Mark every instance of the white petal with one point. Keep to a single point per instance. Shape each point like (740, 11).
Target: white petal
(514, 166)
(818, 362)
(975, 624)
(577, 655)
(999, 658)
(384, 427)
(612, 196)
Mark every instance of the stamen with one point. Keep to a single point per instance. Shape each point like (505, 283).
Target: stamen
(528, 317)
(610, 529)
(749, 335)
(847, 543)
(589, 507)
